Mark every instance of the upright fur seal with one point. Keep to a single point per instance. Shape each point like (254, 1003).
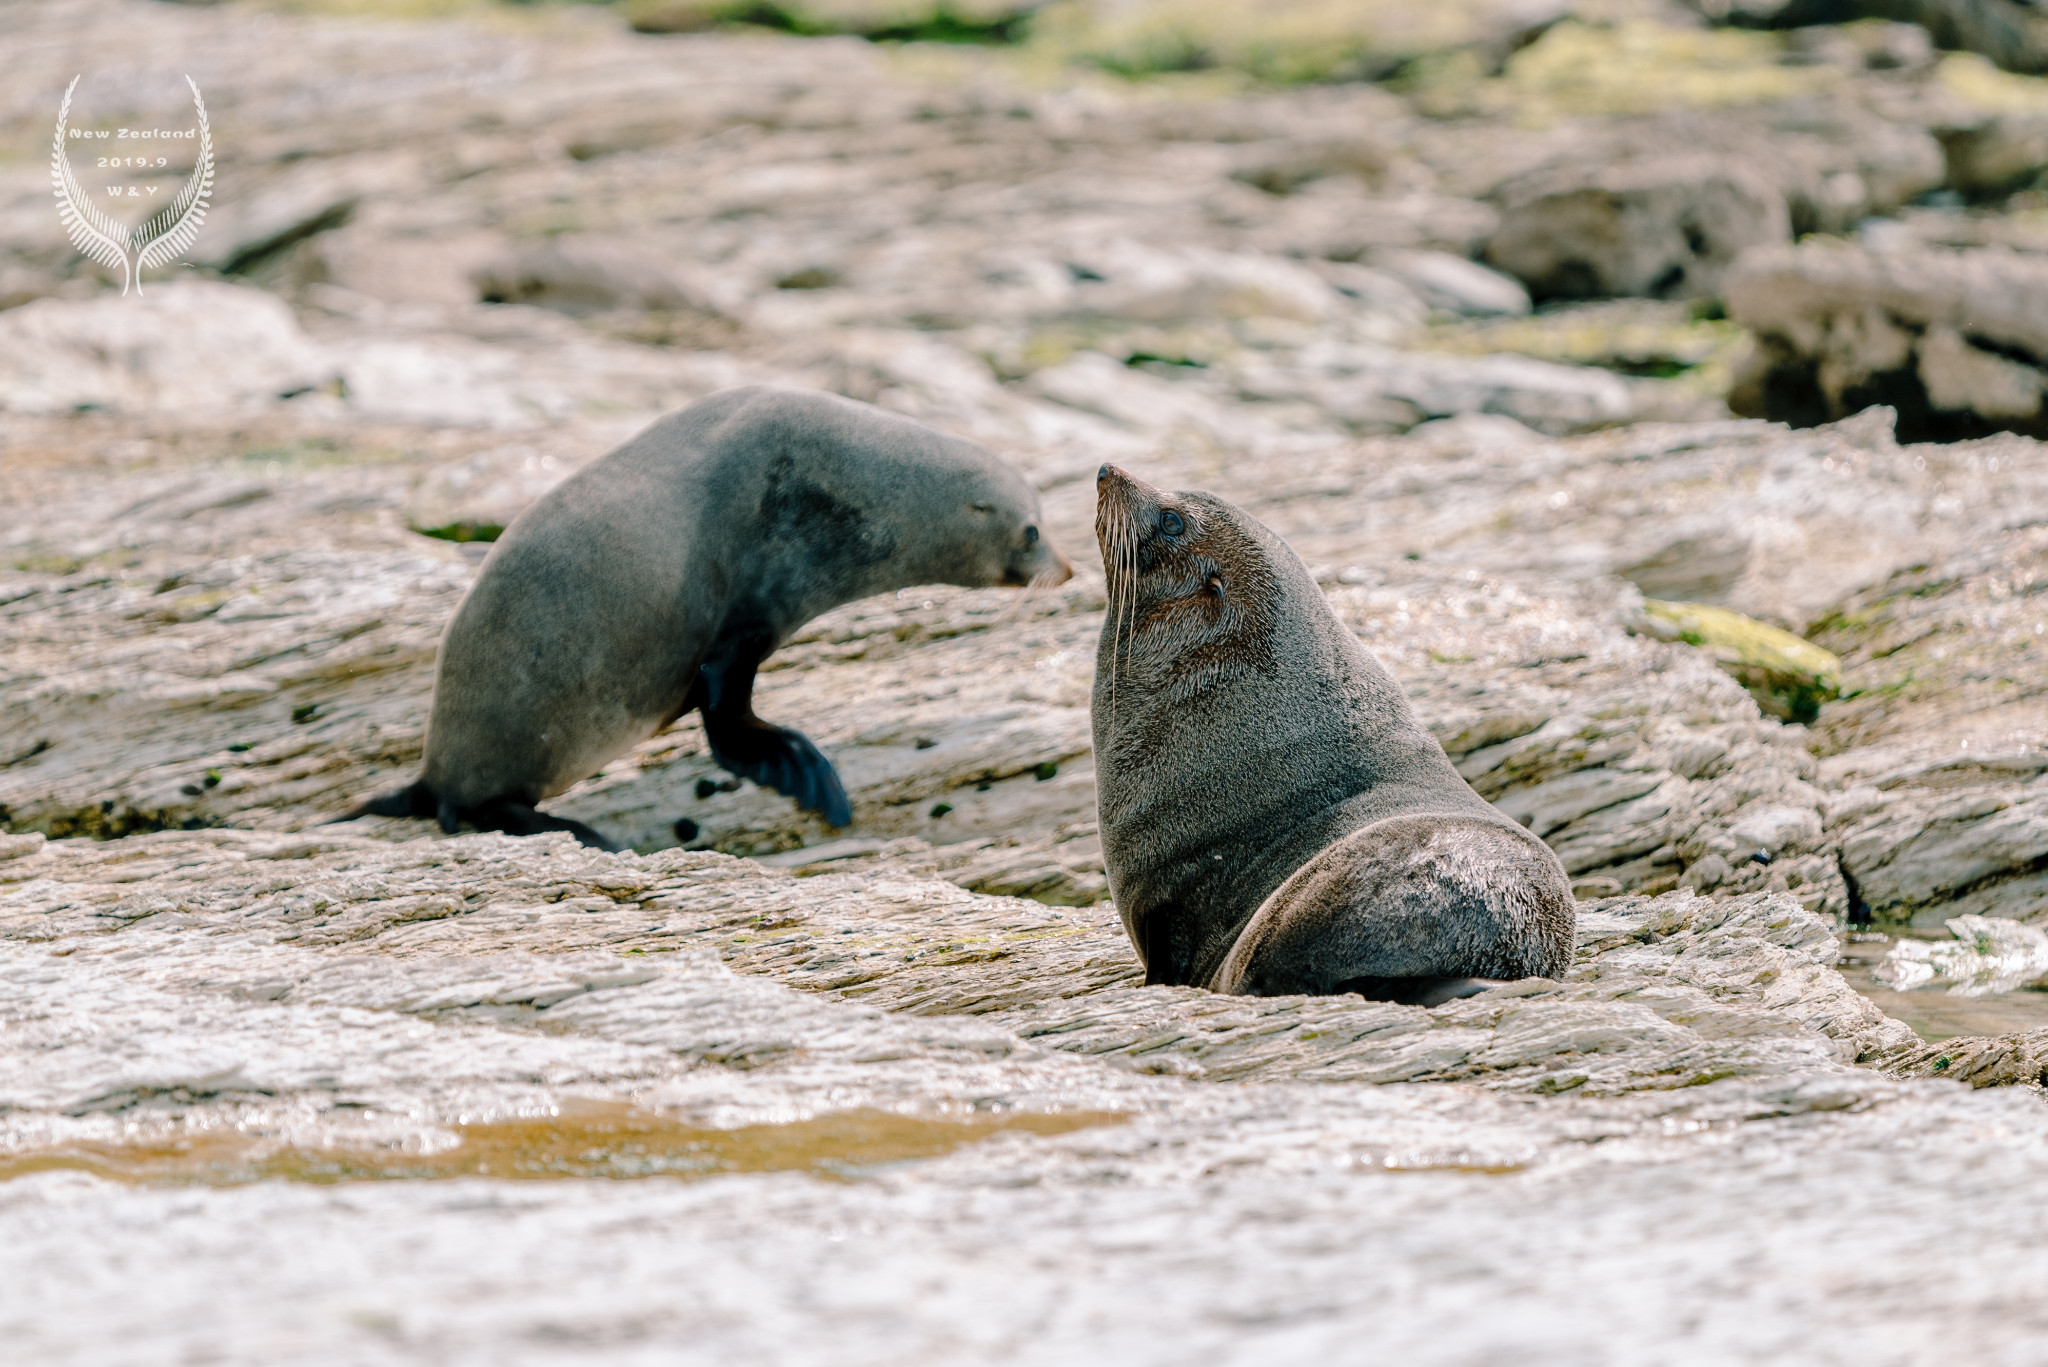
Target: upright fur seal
(1274, 817)
(656, 579)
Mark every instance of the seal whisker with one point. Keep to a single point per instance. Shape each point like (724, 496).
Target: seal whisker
(1124, 602)
(1112, 569)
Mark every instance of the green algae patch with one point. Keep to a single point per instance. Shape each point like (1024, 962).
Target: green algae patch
(1982, 86)
(586, 1141)
(1643, 337)
(1789, 677)
(1633, 67)
(1640, 67)
(952, 21)
(464, 531)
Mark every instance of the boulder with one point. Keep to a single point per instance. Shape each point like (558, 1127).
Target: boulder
(1661, 206)
(186, 346)
(2006, 152)
(1953, 340)
(1996, 135)
(2012, 33)
(1667, 227)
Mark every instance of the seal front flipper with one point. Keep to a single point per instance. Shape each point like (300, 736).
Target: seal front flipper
(779, 758)
(773, 756)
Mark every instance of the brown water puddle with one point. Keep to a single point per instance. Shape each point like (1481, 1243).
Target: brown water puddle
(1936, 1015)
(593, 1140)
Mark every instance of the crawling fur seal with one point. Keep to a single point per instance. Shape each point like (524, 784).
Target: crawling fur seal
(656, 579)
(1274, 818)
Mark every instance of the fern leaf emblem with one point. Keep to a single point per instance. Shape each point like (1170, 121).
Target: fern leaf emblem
(159, 240)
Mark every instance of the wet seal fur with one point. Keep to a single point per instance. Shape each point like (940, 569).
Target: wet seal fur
(656, 579)
(1275, 819)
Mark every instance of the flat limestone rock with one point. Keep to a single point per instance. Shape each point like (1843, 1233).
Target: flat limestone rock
(540, 933)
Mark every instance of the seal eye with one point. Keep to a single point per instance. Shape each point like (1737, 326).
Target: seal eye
(1170, 523)
(1031, 536)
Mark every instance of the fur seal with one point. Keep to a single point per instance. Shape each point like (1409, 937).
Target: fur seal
(656, 579)
(1275, 819)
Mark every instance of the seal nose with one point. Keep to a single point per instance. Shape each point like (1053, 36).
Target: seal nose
(1105, 472)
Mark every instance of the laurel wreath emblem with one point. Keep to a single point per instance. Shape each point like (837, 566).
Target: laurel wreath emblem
(160, 239)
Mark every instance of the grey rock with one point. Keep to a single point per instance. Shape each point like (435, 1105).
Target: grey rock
(2009, 32)
(254, 219)
(184, 346)
(1692, 569)
(1951, 340)
(1666, 227)
(1455, 284)
(1542, 395)
(1995, 157)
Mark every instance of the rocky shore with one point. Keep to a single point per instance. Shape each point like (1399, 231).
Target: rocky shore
(1658, 399)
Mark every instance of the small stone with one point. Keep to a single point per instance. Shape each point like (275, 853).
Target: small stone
(1708, 874)
(20, 846)
(940, 809)
(685, 829)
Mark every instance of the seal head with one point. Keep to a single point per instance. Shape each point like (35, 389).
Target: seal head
(1275, 819)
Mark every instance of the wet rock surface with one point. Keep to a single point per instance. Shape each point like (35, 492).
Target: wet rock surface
(956, 1125)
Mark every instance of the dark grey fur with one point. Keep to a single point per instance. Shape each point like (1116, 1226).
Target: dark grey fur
(656, 579)
(1275, 819)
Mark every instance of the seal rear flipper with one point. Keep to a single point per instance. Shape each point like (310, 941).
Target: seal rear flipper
(779, 758)
(518, 818)
(415, 799)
